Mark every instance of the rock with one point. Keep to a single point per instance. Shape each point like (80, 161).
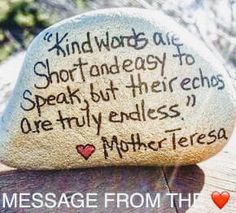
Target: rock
(117, 87)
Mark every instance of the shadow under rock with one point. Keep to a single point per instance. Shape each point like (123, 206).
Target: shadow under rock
(186, 181)
(127, 180)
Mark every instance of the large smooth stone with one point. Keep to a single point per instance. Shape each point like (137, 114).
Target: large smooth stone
(117, 87)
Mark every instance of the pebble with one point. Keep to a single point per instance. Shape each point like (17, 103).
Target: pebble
(117, 87)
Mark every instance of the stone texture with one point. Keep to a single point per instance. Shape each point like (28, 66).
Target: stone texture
(117, 87)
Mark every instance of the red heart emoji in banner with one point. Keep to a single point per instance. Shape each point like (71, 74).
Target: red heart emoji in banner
(220, 199)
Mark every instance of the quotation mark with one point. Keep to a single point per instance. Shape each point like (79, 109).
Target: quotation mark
(47, 37)
(220, 199)
(191, 100)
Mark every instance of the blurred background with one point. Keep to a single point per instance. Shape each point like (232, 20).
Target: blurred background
(213, 21)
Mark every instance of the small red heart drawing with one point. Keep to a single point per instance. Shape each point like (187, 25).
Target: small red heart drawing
(85, 150)
(220, 199)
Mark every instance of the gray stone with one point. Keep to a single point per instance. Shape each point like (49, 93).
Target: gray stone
(117, 87)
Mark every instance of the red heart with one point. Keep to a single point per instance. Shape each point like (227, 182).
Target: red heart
(220, 199)
(85, 150)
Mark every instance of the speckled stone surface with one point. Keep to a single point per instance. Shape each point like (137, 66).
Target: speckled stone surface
(117, 87)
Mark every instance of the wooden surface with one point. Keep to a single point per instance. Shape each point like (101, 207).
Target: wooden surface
(216, 174)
